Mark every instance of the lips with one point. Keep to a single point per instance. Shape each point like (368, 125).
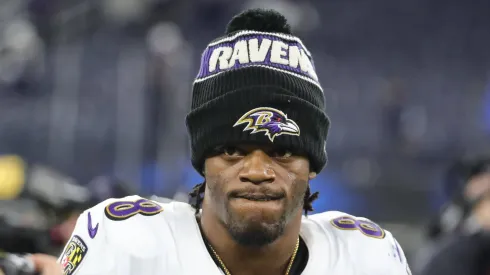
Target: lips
(259, 197)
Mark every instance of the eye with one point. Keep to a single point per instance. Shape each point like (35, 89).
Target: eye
(231, 151)
(281, 153)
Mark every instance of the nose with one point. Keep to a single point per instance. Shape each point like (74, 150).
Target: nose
(256, 168)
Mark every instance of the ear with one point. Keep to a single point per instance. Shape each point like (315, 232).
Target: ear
(312, 175)
(203, 171)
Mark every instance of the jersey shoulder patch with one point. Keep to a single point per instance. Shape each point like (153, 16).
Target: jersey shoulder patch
(73, 254)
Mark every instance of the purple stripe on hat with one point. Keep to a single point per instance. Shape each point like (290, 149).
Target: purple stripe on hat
(251, 49)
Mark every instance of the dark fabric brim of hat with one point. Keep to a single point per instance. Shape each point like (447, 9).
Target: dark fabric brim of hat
(211, 124)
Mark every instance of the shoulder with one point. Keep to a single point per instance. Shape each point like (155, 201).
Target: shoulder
(124, 209)
(343, 224)
(124, 227)
(118, 219)
(140, 222)
(367, 244)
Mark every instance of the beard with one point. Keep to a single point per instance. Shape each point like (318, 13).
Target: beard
(262, 229)
(254, 233)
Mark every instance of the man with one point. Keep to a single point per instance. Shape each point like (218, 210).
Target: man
(461, 236)
(258, 131)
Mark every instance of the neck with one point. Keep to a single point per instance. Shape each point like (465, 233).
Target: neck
(271, 259)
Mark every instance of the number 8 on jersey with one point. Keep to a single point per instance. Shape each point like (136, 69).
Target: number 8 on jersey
(366, 227)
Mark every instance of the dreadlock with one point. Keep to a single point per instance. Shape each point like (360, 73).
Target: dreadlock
(198, 191)
(197, 194)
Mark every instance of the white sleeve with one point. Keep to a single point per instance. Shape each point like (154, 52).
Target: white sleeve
(373, 250)
(398, 264)
(380, 256)
(87, 252)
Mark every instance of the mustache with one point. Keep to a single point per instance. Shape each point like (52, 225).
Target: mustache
(257, 193)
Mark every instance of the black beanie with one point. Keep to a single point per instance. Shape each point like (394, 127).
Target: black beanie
(257, 84)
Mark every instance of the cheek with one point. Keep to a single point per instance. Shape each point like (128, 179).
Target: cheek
(213, 188)
(297, 184)
(298, 170)
(218, 169)
(216, 187)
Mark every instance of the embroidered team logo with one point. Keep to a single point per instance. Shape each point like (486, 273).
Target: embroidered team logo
(270, 121)
(73, 255)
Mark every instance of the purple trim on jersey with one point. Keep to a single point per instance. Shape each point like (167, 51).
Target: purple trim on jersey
(397, 247)
(205, 60)
(122, 210)
(92, 231)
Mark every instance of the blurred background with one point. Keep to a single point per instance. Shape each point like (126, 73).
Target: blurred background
(93, 96)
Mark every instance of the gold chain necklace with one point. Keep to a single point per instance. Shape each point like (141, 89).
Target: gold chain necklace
(227, 272)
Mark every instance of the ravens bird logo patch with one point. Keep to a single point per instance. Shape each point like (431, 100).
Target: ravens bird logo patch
(269, 121)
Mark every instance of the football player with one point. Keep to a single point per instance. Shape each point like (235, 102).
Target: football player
(258, 130)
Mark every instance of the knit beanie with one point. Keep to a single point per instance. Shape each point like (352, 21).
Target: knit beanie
(257, 84)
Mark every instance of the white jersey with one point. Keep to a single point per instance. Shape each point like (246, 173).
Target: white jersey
(134, 236)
